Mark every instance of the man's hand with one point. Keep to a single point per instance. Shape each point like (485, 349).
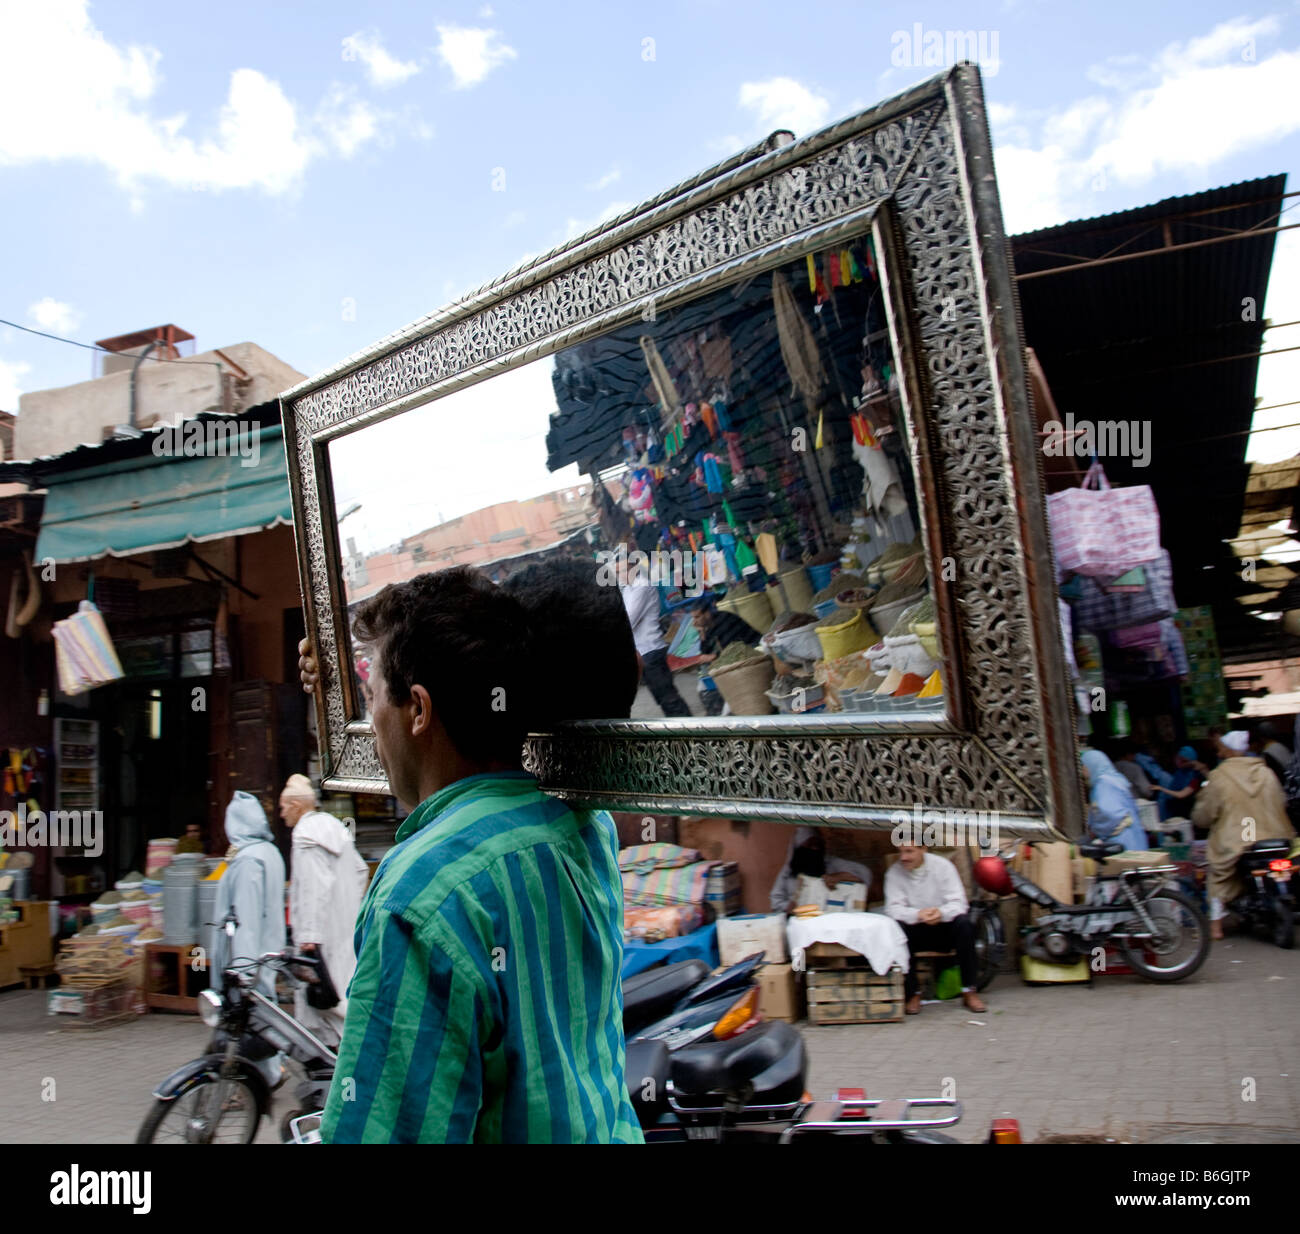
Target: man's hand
(834, 880)
(929, 916)
(307, 669)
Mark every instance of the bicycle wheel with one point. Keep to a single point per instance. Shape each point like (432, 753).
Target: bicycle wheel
(192, 1119)
(1182, 938)
(990, 946)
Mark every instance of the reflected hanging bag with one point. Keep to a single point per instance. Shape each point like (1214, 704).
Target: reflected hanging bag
(1103, 531)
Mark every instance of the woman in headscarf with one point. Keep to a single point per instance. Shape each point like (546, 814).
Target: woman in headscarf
(1241, 802)
(1184, 782)
(253, 885)
(329, 879)
(807, 855)
(1113, 810)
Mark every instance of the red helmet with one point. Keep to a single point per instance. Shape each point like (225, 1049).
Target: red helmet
(991, 874)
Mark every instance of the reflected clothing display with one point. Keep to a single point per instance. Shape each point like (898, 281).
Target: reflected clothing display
(767, 410)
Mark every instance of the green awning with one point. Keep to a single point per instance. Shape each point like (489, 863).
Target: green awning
(155, 502)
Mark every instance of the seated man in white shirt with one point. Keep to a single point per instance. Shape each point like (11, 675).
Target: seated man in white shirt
(923, 893)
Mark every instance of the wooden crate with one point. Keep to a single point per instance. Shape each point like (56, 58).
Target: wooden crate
(854, 995)
(855, 1013)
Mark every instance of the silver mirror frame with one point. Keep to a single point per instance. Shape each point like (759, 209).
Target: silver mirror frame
(917, 171)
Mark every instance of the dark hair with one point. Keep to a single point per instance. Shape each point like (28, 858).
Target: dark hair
(466, 641)
(586, 657)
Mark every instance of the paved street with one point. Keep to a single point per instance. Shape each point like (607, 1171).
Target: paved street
(1122, 1058)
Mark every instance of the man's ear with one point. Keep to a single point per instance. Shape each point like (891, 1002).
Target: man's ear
(422, 715)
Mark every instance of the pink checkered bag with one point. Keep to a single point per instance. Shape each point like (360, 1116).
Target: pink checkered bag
(1149, 635)
(1103, 531)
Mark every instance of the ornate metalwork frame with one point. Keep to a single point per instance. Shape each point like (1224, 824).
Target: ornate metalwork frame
(918, 171)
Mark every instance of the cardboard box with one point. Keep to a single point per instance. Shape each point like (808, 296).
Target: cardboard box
(1133, 860)
(741, 936)
(846, 898)
(779, 993)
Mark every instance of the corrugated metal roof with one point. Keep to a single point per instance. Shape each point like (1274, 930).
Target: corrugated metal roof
(118, 449)
(1151, 340)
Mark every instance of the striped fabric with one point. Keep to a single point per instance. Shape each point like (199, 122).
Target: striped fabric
(487, 1004)
(84, 651)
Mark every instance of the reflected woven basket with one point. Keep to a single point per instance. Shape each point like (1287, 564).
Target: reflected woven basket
(744, 685)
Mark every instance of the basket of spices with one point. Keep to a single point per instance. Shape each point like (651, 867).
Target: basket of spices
(743, 676)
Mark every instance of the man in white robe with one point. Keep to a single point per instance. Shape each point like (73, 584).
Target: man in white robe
(328, 880)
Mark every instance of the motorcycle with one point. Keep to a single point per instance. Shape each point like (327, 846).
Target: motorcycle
(1266, 871)
(702, 1064)
(1161, 930)
(222, 1096)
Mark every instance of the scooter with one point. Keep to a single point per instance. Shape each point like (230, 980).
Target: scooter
(682, 1003)
(702, 1064)
(1160, 929)
(222, 1096)
(1266, 871)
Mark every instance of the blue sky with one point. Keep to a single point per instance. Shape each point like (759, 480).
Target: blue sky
(313, 176)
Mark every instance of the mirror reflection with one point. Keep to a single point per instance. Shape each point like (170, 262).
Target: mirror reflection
(738, 467)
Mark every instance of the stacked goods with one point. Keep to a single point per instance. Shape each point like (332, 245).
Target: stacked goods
(96, 960)
(742, 676)
(844, 631)
(653, 925)
(722, 888)
(793, 639)
(824, 601)
(844, 989)
(159, 855)
(97, 1006)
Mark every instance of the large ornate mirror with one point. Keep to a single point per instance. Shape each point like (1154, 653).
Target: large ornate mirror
(782, 408)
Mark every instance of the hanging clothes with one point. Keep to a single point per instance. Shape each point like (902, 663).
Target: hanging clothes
(659, 374)
(798, 345)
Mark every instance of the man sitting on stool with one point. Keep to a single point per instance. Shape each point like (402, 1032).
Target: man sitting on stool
(923, 893)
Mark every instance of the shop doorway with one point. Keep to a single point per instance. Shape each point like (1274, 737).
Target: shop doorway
(155, 764)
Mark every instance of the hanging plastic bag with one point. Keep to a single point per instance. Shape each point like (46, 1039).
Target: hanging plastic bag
(1103, 531)
(84, 652)
(1099, 608)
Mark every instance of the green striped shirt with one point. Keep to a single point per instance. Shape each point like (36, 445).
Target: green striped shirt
(487, 1002)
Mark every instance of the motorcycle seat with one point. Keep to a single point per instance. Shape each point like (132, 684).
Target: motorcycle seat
(1099, 850)
(723, 1066)
(650, 995)
(1270, 846)
(647, 1069)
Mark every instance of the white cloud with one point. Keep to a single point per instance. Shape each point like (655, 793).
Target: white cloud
(347, 121)
(67, 93)
(514, 218)
(11, 381)
(383, 70)
(54, 315)
(612, 176)
(471, 53)
(1190, 106)
(783, 103)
